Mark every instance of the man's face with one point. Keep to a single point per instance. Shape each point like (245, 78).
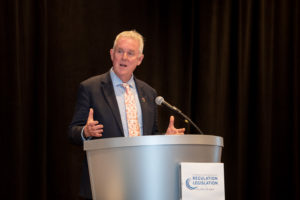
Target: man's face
(125, 57)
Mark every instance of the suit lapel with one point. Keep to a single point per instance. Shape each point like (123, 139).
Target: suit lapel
(109, 94)
(143, 103)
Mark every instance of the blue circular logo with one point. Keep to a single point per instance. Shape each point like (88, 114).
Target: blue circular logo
(188, 185)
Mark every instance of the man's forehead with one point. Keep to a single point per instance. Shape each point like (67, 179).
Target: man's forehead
(129, 40)
(126, 47)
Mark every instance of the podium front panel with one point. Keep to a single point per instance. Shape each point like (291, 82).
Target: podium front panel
(147, 167)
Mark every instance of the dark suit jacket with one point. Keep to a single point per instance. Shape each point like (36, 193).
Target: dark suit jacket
(98, 93)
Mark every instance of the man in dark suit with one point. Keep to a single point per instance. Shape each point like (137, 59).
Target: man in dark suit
(101, 111)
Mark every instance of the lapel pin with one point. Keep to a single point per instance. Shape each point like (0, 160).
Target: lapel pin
(143, 100)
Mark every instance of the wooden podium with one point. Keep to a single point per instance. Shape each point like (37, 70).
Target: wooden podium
(147, 167)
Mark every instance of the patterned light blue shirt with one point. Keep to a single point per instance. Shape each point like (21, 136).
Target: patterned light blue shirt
(119, 92)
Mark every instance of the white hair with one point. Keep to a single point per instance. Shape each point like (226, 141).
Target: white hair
(133, 34)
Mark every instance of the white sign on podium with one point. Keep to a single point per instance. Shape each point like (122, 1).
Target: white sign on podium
(203, 181)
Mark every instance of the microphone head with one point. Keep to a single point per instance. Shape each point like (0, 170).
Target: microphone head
(159, 100)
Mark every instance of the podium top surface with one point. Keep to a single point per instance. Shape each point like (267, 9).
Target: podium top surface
(152, 140)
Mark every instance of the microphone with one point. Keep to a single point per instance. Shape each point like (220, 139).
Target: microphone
(161, 101)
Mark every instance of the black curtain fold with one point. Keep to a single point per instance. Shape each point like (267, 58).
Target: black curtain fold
(24, 99)
(232, 66)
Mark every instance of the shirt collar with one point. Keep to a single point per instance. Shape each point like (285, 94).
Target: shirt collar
(117, 81)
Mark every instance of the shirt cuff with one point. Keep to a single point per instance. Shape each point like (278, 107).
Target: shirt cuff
(82, 136)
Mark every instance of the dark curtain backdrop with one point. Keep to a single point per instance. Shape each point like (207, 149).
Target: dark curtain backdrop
(231, 65)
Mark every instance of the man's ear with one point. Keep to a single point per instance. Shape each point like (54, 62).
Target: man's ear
(140, 58)
(111, 52)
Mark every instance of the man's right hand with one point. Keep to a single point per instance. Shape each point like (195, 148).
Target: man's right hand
(92, 127)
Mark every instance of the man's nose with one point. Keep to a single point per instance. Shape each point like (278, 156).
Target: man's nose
(124, 56)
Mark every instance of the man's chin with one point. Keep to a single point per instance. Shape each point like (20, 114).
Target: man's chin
(123, 75)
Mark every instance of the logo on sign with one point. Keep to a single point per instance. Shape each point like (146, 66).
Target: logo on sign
(201, 182)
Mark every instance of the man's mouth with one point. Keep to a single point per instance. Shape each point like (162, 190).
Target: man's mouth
(123, 65)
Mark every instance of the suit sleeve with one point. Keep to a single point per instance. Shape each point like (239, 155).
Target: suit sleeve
(80, 116)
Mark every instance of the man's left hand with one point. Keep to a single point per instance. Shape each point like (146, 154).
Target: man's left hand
(172, 130)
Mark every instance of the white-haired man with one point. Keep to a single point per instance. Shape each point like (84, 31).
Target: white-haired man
(101, 109)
